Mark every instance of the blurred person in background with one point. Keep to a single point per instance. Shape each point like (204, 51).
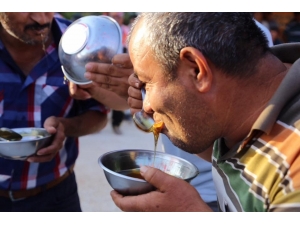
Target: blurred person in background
(258, 18)
(33, 94)
(117, 115)
(131, 19)
(292, 30)
(275, 33)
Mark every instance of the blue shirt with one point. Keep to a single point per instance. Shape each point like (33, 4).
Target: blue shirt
(27, 101)
(203, 182)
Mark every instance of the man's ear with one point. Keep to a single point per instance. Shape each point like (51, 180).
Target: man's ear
(200, 69)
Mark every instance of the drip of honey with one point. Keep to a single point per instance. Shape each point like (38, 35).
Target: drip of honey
(135, 173)
(156, 129)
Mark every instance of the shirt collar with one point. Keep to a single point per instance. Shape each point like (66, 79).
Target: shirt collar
(288, 88)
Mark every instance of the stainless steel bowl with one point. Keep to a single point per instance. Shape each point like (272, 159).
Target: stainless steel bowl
(119, 165)
(32, 140)
(88, 39)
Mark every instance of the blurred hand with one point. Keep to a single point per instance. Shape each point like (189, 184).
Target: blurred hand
(55, 127)
(172, 195)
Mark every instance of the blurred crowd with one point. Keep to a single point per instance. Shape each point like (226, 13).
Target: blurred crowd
(284, 27)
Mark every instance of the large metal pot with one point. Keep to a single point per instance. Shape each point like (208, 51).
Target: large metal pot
(88, 39)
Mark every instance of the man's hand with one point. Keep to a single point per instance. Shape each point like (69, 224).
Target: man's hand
(80, 93)
(112, 77)
(109, 83)
(55, 127)
(172, 195)
(135, 100)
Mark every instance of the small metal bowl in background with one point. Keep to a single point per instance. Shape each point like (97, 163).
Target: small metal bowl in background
(32, 140)
(88, 39)
(117, 165)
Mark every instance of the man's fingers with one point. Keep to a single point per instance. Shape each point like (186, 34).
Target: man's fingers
(100, 79)
(108, 69)
(124, 202)
(134, 81)
(122, 60)
(157, 178)
(72, 88)
(135, 93)
(43, 158)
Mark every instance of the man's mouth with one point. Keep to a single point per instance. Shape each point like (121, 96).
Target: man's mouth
(38, 28)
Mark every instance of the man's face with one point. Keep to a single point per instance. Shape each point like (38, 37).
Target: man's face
(187, 119)
(30, 28)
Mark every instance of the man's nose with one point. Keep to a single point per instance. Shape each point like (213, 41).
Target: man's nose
(42, 17)
(146, 105)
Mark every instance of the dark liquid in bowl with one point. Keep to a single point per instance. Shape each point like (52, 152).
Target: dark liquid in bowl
(135, 173)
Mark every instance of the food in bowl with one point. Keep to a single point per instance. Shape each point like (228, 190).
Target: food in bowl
(33, 139)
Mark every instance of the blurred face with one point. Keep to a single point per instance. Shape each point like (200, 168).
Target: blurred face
(274, 34)
(187, 119)
(118, 16)
(30, 28)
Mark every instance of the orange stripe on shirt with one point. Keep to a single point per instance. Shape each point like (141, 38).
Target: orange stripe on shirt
(288, 143)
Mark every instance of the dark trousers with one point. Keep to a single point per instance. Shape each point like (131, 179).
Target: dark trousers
(61, 198)
(117, 117)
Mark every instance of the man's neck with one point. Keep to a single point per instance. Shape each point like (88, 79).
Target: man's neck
(248, 104)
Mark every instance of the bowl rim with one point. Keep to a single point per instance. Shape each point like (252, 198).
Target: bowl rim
(115, 173)
(25, 141)
(144, 150)
(82, 20)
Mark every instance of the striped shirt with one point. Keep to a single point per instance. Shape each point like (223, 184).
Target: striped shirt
(27, 101)
(262, 173)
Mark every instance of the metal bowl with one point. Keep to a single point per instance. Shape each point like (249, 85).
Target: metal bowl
(32, 140)
(121, 169)
(88, 39)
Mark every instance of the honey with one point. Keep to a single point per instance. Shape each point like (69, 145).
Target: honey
(135, 173)
(156, 129)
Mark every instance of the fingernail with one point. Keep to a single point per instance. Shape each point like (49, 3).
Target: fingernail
(137, 85)
(88, 67)
(87, 75)
(143, 169)
(119, 65)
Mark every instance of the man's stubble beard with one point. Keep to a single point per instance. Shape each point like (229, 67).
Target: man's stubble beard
(23, 37)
